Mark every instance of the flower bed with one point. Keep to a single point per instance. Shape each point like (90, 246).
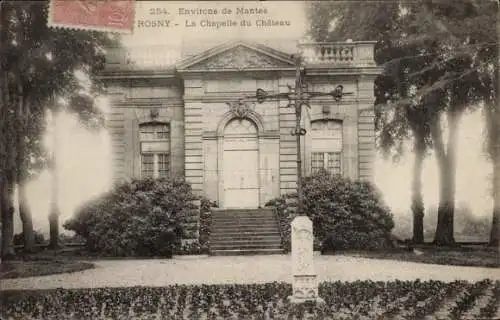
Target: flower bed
(354, 300)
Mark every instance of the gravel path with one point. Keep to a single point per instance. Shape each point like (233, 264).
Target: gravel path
(245, 270)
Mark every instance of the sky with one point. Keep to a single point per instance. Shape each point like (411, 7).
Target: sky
(85, 158)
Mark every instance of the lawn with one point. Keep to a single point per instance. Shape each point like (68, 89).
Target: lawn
(343, 300)
(473, 256)
(40, 267)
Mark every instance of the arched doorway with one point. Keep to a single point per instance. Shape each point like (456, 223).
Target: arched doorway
(240, 164)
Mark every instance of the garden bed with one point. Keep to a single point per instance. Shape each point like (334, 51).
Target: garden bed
(41, 267)
(355, 300)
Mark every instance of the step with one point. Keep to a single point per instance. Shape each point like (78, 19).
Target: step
(241, 229)
(251, 233)
(273, 218)
(245, 231)
(236, 252)
(233, 236)
(236, 224)
(245, 246)
(266, 209)
(243, 218)
(248, 245)
(231, 217)
(248, 237)
(250, 224)
(255, 241)
(231, 214)
(222, 237)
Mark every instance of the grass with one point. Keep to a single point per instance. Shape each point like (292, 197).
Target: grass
(462, 256)
(40, 267)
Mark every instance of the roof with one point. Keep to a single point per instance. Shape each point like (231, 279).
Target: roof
(163, 57)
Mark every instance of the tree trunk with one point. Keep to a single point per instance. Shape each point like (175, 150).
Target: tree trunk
(7, 208)
(447, 176)
(446, 210)
(21, 172)
(417, 201)
(26, 217)
(495, 222)
(493, 126)
(54, 206)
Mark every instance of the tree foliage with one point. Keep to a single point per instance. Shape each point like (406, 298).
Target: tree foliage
(439, 59)
(40, 65)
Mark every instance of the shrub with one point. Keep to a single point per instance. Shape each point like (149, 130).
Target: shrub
(19, 238)
(206, 206)
(138, 218)
(285, 209)
(345, 214)
(65, 238)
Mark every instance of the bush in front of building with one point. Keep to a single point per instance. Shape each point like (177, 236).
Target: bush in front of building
(137, 218)
(285, 210)
(206, 206)
(346, 214)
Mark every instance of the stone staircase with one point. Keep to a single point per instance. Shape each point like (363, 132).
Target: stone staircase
(244, 232)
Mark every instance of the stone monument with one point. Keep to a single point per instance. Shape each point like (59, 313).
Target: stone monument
(305, 287)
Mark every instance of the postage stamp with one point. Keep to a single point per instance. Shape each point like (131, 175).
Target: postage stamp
(99, 15)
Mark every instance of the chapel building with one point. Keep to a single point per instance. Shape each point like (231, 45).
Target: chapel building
(184, 119)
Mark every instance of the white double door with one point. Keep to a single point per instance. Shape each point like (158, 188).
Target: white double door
(240, 172)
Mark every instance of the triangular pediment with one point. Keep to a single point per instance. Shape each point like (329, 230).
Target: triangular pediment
(238, 56)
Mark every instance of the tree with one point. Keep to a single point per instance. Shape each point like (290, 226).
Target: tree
(439, 45)
(39, 63)
(399, 116)
(491, 107)
(466, 34)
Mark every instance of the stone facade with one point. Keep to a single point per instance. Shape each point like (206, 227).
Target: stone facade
(243, 154)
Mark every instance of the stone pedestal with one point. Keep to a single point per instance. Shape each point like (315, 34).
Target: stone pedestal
(305, 287)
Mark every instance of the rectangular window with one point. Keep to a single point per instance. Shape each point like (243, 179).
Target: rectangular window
(163, 164)
(330, 161)
(147, 165)
(317, 161)
(155, 147)
(326, 146)
(333, 163)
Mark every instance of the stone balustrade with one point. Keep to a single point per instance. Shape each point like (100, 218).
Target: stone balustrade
(335, 53)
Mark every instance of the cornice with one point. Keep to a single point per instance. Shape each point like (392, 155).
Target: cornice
(237, 96)
(220, 97)
(266, 134)
(354, 70)
(138, 74)
(148, 102)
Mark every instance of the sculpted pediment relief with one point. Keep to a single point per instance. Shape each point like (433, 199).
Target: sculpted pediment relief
(239, 57)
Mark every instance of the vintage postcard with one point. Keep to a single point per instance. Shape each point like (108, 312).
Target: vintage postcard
(249, 160)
